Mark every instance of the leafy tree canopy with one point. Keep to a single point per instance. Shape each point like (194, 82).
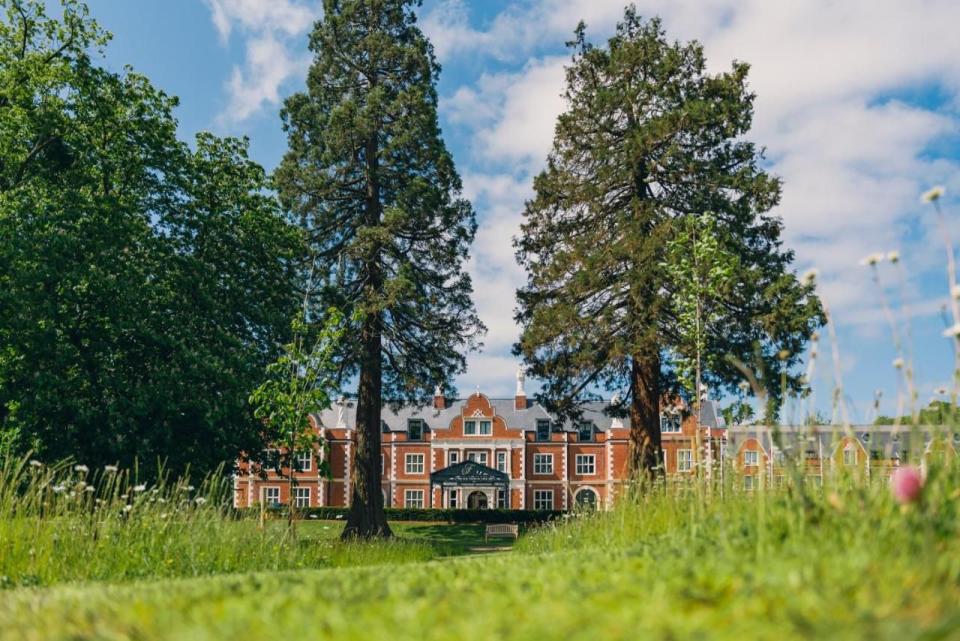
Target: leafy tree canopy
(144, 285)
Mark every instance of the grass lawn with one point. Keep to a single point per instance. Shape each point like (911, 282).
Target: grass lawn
(448, 539)
(841, 562)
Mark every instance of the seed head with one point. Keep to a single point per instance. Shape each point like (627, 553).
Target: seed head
(932, 195)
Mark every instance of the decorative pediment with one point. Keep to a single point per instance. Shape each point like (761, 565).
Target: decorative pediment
(478, 413)
(469, 473)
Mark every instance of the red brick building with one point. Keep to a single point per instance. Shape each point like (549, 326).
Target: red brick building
(480, 452)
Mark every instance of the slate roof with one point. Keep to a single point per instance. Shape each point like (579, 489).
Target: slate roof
(525, 419)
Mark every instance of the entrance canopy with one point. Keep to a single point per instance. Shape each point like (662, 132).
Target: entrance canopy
(469, 474)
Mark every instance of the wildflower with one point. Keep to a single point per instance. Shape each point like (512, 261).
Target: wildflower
(59, 489)
(835, 501)
(906, 483)
(952, 331)
(871, 260)
(36, 463)
(200, 500)
(898, 363)
(339, 516)
(161, 500)
(189, 488)
(932, 195)
(81, 468)
(89, 488)
(127, 508)
(110, 469)
(163, 515)
(744, 386)
(893, 257)
(809, 277)
(140, 488)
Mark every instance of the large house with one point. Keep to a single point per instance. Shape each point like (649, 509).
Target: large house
(481, 452)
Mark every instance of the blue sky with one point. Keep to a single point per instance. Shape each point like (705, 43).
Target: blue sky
(857, 107)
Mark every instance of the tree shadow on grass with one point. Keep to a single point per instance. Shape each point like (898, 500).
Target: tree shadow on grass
(451, 540)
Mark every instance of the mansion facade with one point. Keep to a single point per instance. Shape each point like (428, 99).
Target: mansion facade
(481, 452)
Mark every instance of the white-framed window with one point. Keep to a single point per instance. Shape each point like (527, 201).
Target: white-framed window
(453, 456)
(684, 460)
(849, 455)
(543, 499)
(543, 429)
(751, 457)
(452, 499)
(670, 423)
(301, 496)
(748, 482)
(586, 464)
(585, 432)
(414, 463)
(475, 427)
(501, 499)
(477, 457)
(413, 498)
(303, 460)
(271, 495)
(502, 461)
(415, 429)
(543, 464)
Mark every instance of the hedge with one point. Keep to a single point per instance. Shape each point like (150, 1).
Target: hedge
(424, 514)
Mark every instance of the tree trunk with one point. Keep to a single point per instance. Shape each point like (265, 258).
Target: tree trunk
(366, 518)
(645, 451)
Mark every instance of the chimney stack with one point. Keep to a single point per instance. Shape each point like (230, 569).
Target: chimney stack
(520, 400)
(439, 400)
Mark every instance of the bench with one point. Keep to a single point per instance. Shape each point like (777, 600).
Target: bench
(502, 529)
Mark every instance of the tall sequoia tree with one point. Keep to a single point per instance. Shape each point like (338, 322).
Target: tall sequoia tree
(378, 194)
(144, 286)
(649, 139)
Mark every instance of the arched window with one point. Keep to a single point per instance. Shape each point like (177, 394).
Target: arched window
(585, 499)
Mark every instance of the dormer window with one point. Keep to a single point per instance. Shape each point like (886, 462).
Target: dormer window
(670, 423)
(543, 430)
(415, 429)
(585, 431)
(475, 428)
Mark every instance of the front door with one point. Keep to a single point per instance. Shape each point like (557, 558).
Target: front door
(477, 501)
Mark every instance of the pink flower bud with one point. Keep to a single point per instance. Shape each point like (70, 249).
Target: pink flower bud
(906, 483)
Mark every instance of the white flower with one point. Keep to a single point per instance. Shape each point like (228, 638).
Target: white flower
(161, 500)
(872, 259)
(932, 195)
(140, 488)
(36, 463)
(339, 516)
(898, 363)
(163, 516)
(59, 489)
(893, 256)
(200, 500)
(109, 468)
(127, 508)
(81, 468)
(189, 488)
(953, 330)
(89, 488)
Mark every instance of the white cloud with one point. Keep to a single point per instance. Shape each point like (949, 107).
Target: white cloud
(274, 35)
(831, 78)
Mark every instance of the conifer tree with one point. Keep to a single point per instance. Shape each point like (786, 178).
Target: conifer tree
(649, 139)
(377, 192)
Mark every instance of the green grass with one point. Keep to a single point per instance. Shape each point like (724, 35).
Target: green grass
(843, 562)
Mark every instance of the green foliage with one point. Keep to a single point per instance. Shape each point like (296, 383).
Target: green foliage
(737, 413)
(299, 382)
(377, 192)
(450, 516)
(936, 413)
(844, 562)
(650, 142)
(144, 286)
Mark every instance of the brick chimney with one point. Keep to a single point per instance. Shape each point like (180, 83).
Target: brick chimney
(520, 400)
(439, 400)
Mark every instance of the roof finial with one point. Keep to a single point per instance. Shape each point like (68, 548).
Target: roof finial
(341, 413)
(521, 379)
